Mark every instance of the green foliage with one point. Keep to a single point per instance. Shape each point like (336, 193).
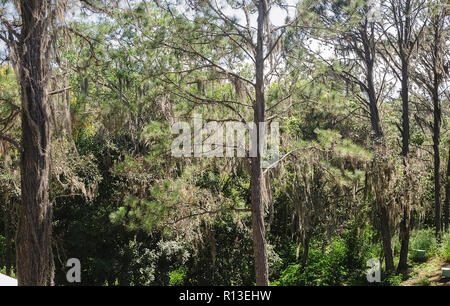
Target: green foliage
(177, 277)
(423, 239)
(337, 262)
(135, 215)
(445, 246)
(323, 268)
(391, 279)
(226, 257)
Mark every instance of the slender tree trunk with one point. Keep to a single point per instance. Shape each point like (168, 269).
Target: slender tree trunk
(437, 163)
(305, 252)
(259, 240)
(33, 236)
(406, 213)
(369, 58)
(437, 113)
(373, 106)
(405, 108)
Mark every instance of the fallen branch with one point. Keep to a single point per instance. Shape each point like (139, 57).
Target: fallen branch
(12, 141)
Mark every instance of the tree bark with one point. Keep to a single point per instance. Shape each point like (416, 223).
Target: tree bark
(437, 113)
(369, 59)
(406, 216)
(33, 236)
(369, 53)
(259, 240)
(406, 213)
(437, 161)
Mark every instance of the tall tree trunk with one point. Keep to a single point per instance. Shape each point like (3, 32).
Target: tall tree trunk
(437, 162)
(436, 22)
(376, 127)
(259, 240)
(33, 236)
(385, 230)
(406, 213)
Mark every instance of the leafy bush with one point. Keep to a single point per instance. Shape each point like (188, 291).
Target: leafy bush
(177, 276)
(445, 246)
(323, 268)
(423, 239)
(339, 263)
(392, 280)
(335, 265)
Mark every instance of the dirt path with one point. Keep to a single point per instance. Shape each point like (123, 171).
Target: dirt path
(428, 273)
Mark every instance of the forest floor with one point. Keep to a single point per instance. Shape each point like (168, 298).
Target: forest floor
(428, 273)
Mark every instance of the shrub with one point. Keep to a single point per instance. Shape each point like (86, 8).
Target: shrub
(291, 276)
(341, 261)
(338, 263)
(445, 246)
(392, 279)
(423, 239)
(321, 269)
(177, 276)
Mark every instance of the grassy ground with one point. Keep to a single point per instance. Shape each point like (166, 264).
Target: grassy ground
(427, 273)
